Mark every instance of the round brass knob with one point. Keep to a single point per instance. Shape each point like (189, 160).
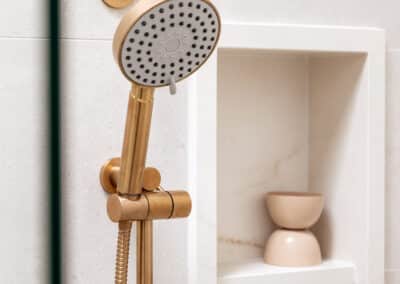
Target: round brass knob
(109, 175)
(151, 179)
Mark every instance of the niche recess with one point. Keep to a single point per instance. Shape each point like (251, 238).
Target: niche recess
(294, 108)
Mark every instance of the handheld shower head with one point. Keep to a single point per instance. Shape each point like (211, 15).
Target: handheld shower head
(160, 42)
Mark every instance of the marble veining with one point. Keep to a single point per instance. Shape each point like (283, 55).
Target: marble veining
(262, 145)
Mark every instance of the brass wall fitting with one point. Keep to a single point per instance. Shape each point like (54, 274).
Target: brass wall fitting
(149, 206)
(110, 173)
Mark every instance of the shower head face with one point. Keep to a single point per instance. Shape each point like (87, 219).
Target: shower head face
(160, 41)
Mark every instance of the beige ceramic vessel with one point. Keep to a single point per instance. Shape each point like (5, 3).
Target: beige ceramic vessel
(292, 248)
(295, 213)
(295, 210)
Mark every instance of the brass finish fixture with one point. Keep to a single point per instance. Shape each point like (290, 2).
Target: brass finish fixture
(136, 17)
(121, 266)
(144, 252)
(121, 209)
(149, 206)
(152, 49)
(109, 176)
(151, 179)
(182, 204)
(117, 4)
(135, 194)
(137, 130)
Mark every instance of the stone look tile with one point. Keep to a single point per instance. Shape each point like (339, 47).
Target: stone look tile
(92, 19)
(392, 277)
(24, 154)
(393, 161)
(256, 154)
(338, 156)
(89, 19)
(26, 18)
(339, 12)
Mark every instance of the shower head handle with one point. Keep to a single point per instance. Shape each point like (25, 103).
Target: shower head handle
(136, 139)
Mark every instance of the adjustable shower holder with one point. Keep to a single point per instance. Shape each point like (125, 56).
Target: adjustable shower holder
(151, 204)
(154, 203)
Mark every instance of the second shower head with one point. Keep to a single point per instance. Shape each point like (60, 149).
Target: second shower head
(160, 42)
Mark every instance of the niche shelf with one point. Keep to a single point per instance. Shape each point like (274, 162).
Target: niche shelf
(255, 271)
(291, 108)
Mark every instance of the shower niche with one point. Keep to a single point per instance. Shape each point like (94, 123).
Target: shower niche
(289, 108)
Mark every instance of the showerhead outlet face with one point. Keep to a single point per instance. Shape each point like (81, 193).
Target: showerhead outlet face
(161, 42)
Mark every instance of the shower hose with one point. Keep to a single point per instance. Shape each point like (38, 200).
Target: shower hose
(122, 259)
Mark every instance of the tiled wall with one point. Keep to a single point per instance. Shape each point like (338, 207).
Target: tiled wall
(23, 200)
(23, 150)
(94, 108)
(393, 168)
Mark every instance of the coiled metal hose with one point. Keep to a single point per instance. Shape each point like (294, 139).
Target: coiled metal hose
(122, 259)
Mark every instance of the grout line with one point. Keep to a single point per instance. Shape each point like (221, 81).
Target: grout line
(46, 38)
(389, 270)
(388, 50)
(86, 39)
(23, 37)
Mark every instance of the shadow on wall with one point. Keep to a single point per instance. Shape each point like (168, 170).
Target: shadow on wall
(334, 130)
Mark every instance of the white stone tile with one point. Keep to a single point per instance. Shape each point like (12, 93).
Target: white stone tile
(26, 18)
(262, 144)
(339, 155)
(393, 161)
(339, 12)
(89, 19)
(24, 199)
(392, 276)
(92, 19)
(94, 103)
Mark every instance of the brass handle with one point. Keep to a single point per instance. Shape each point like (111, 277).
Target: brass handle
(136, 138)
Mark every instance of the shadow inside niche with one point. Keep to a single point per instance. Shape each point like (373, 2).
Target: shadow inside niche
(323, 232)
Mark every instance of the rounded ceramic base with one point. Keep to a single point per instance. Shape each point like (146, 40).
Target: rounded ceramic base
(292, 248)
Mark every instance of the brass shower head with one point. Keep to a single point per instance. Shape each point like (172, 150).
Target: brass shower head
(161, 42)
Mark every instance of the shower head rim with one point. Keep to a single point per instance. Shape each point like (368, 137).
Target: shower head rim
(133, 16)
